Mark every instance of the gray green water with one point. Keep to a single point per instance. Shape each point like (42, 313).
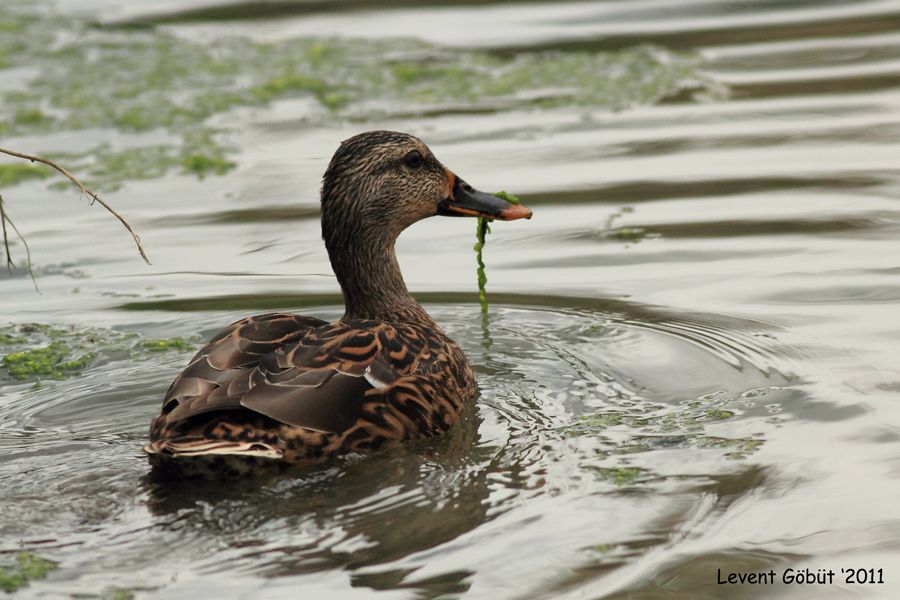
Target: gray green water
(690, 357)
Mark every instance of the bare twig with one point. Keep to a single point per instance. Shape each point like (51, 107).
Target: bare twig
(4, 218)
(10, 265)
(85, 190)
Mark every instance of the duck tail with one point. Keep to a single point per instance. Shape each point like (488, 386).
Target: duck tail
(195, 446)
(211, 459)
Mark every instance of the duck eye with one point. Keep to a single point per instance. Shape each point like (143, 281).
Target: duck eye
(413, 159)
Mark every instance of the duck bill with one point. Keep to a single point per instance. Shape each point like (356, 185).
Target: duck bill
(466, 201)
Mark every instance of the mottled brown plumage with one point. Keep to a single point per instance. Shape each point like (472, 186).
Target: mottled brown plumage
(279, 388)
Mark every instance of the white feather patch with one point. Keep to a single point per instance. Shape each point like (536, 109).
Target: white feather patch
(375, 382)
(212, 447)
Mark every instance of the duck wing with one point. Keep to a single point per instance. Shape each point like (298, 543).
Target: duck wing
(296, 370)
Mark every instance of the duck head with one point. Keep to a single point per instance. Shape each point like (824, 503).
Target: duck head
(390, 180)
(377, 184)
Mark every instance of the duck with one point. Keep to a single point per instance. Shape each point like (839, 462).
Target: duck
(281, 388)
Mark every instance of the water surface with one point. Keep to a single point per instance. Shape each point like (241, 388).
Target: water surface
(689, 361)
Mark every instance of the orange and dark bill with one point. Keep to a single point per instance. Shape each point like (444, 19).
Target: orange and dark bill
(466, 201)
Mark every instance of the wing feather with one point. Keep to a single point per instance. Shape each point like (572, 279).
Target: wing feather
(296, 370)
(203, 386)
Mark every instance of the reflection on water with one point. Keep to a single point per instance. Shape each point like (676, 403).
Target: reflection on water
(689, 361)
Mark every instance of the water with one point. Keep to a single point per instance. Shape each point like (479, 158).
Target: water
(690, 358)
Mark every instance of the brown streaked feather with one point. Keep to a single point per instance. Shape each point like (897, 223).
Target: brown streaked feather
(310, 377)
(331, 406)
(202, 386)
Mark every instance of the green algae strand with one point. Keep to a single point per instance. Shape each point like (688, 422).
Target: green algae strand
(481, 231)
(28, 567)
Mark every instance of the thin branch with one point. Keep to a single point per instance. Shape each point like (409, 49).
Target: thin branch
(27, 254)
(10, 265)
(84, 189)
(5, 219)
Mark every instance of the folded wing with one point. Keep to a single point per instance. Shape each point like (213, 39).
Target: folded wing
(296, 370)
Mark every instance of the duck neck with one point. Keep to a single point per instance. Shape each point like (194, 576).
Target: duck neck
(367, 270)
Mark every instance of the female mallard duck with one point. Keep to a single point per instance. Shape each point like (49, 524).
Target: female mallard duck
(283, 388)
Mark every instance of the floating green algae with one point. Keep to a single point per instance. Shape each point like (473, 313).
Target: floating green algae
(689, 417)
(284, 84)
(738, 448)
(628, 234)
(54, 361)
(15, 173)
(118, 594)
(39, 351)
(165, 344)
(718, 414)
(32, 117)
(8, 340)
(150, 82)
(618, 476)
(204, 164)
(645, 426)
(625, 234)
(28, 567)
(599, 548)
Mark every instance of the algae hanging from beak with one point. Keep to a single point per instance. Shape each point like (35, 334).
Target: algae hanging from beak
(481, 234)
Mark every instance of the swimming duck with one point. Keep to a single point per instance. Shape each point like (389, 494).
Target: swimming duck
(285, 388)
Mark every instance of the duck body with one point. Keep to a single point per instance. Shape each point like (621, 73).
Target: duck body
(291, 388)
(280, 389)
